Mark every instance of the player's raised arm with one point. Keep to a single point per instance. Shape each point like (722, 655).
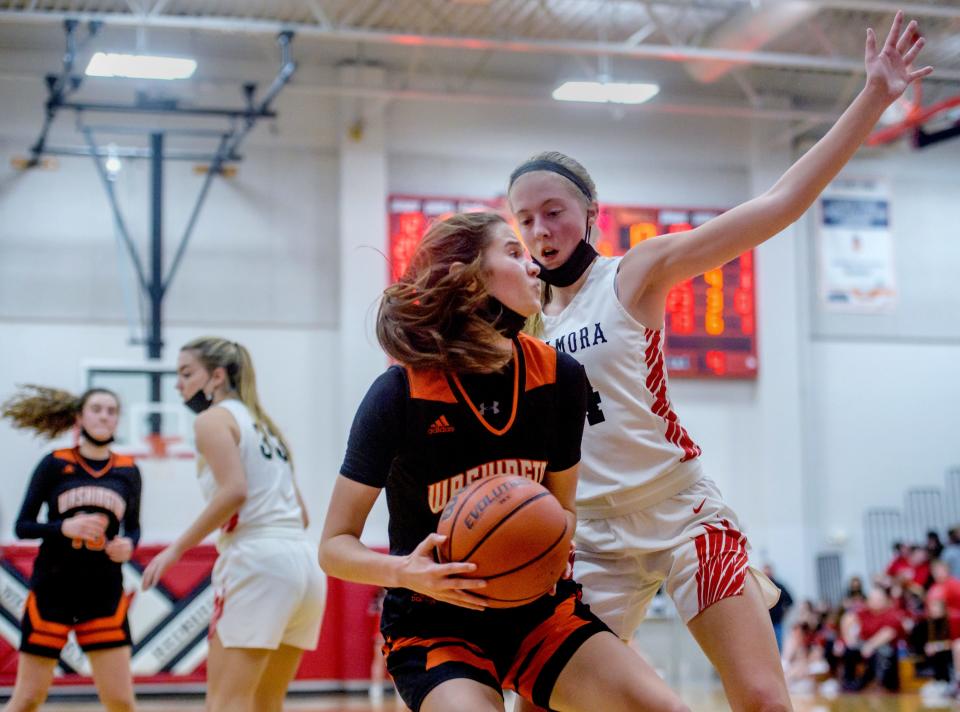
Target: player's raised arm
(653, 266)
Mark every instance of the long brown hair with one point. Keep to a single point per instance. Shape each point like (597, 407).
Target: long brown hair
(47, 411)
(534, 324)
(216, 352)
(429, 318)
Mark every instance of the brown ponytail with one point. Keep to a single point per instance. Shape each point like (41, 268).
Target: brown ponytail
(47, 411)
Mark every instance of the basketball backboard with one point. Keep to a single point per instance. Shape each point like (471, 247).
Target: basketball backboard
(154, 422)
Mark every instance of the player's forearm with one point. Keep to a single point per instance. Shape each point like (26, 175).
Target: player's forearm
(346, 557)
(756, 221)
(132, 532)
(807, 178)
(223, 505)
(32, 529)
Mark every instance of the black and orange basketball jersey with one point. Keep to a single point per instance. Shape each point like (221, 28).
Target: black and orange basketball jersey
(423, 435)
(70, 484)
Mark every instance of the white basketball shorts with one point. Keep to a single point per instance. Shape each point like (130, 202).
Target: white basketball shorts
(268, 591)
(689, 543)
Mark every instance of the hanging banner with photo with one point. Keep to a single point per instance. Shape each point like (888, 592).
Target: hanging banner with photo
(855, 247)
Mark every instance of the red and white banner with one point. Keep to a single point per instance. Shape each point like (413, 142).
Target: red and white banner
(169, 625)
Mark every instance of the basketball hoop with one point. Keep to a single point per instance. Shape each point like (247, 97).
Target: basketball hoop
(163, 447)
(916, 115)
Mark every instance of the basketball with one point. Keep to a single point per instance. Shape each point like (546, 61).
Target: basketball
(516, 533)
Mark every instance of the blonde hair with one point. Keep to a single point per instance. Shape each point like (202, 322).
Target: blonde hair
(47, 411)
(534, 325)
(216, 352)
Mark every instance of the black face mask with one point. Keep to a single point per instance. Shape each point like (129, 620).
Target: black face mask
(503, 318)
(199, 401)
(571, 270)
(93, 440)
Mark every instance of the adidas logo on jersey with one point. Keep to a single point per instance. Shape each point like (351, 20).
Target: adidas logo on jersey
(440, 425)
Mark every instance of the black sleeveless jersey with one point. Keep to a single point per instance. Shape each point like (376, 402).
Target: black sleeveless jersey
(70, 484)
(423, 435)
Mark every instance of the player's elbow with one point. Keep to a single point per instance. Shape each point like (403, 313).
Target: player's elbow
(784, 206)
(325, 557)
(235, 495)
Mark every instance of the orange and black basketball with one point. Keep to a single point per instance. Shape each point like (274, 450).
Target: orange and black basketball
(516, 533)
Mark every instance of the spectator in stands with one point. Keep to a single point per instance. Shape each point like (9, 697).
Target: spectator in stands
(780, 608)
(951, 552)
(937, 642)
(920, 565)
(871, 638)
(934, 545)
(946, 588)
(855, 590)
(900, 561)
(804, 648)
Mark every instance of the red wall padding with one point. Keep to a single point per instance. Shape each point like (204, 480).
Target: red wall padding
(347, 638)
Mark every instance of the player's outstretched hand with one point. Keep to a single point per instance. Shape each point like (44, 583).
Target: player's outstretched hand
(86, 526)
(157, 567)
(443, 582)
(119, 549)
(890, 69)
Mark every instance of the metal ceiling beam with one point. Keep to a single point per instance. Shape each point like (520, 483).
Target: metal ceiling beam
(750, 30)
(523, 46)
(318, 13)
(909, 9)
(515, 99)
(656, 107)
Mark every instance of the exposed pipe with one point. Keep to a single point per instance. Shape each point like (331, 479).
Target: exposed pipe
(654, 107)
(910, 10)
(484, 44)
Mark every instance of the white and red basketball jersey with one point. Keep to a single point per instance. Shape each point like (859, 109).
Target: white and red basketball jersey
(635, 452)
(271, 502)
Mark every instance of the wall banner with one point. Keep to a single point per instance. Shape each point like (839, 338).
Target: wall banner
(855, 247)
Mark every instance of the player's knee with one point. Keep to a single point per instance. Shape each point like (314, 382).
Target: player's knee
(638, 697)
(764, 698)
(27, 700)
(118, 702)
(268, 701)
(674, 706)
(668, 706)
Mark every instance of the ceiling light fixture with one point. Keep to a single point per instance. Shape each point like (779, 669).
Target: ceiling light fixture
(140, 66)
(606, 92)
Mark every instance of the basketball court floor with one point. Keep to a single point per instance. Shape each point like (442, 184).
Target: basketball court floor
(699, 701)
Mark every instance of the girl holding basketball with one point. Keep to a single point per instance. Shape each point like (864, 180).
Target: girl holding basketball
(92, 526)
(648, 515)
(269, 590)
(472, 396)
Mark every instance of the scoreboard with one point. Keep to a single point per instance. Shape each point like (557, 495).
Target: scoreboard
(710, 319)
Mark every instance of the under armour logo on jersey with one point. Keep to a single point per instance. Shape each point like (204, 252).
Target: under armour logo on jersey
(440, 425)
(495, 408)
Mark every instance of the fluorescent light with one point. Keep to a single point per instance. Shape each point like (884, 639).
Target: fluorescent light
(606, 92)
(140, 66)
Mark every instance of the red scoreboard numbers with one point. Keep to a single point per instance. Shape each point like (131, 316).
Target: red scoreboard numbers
(710, 319)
